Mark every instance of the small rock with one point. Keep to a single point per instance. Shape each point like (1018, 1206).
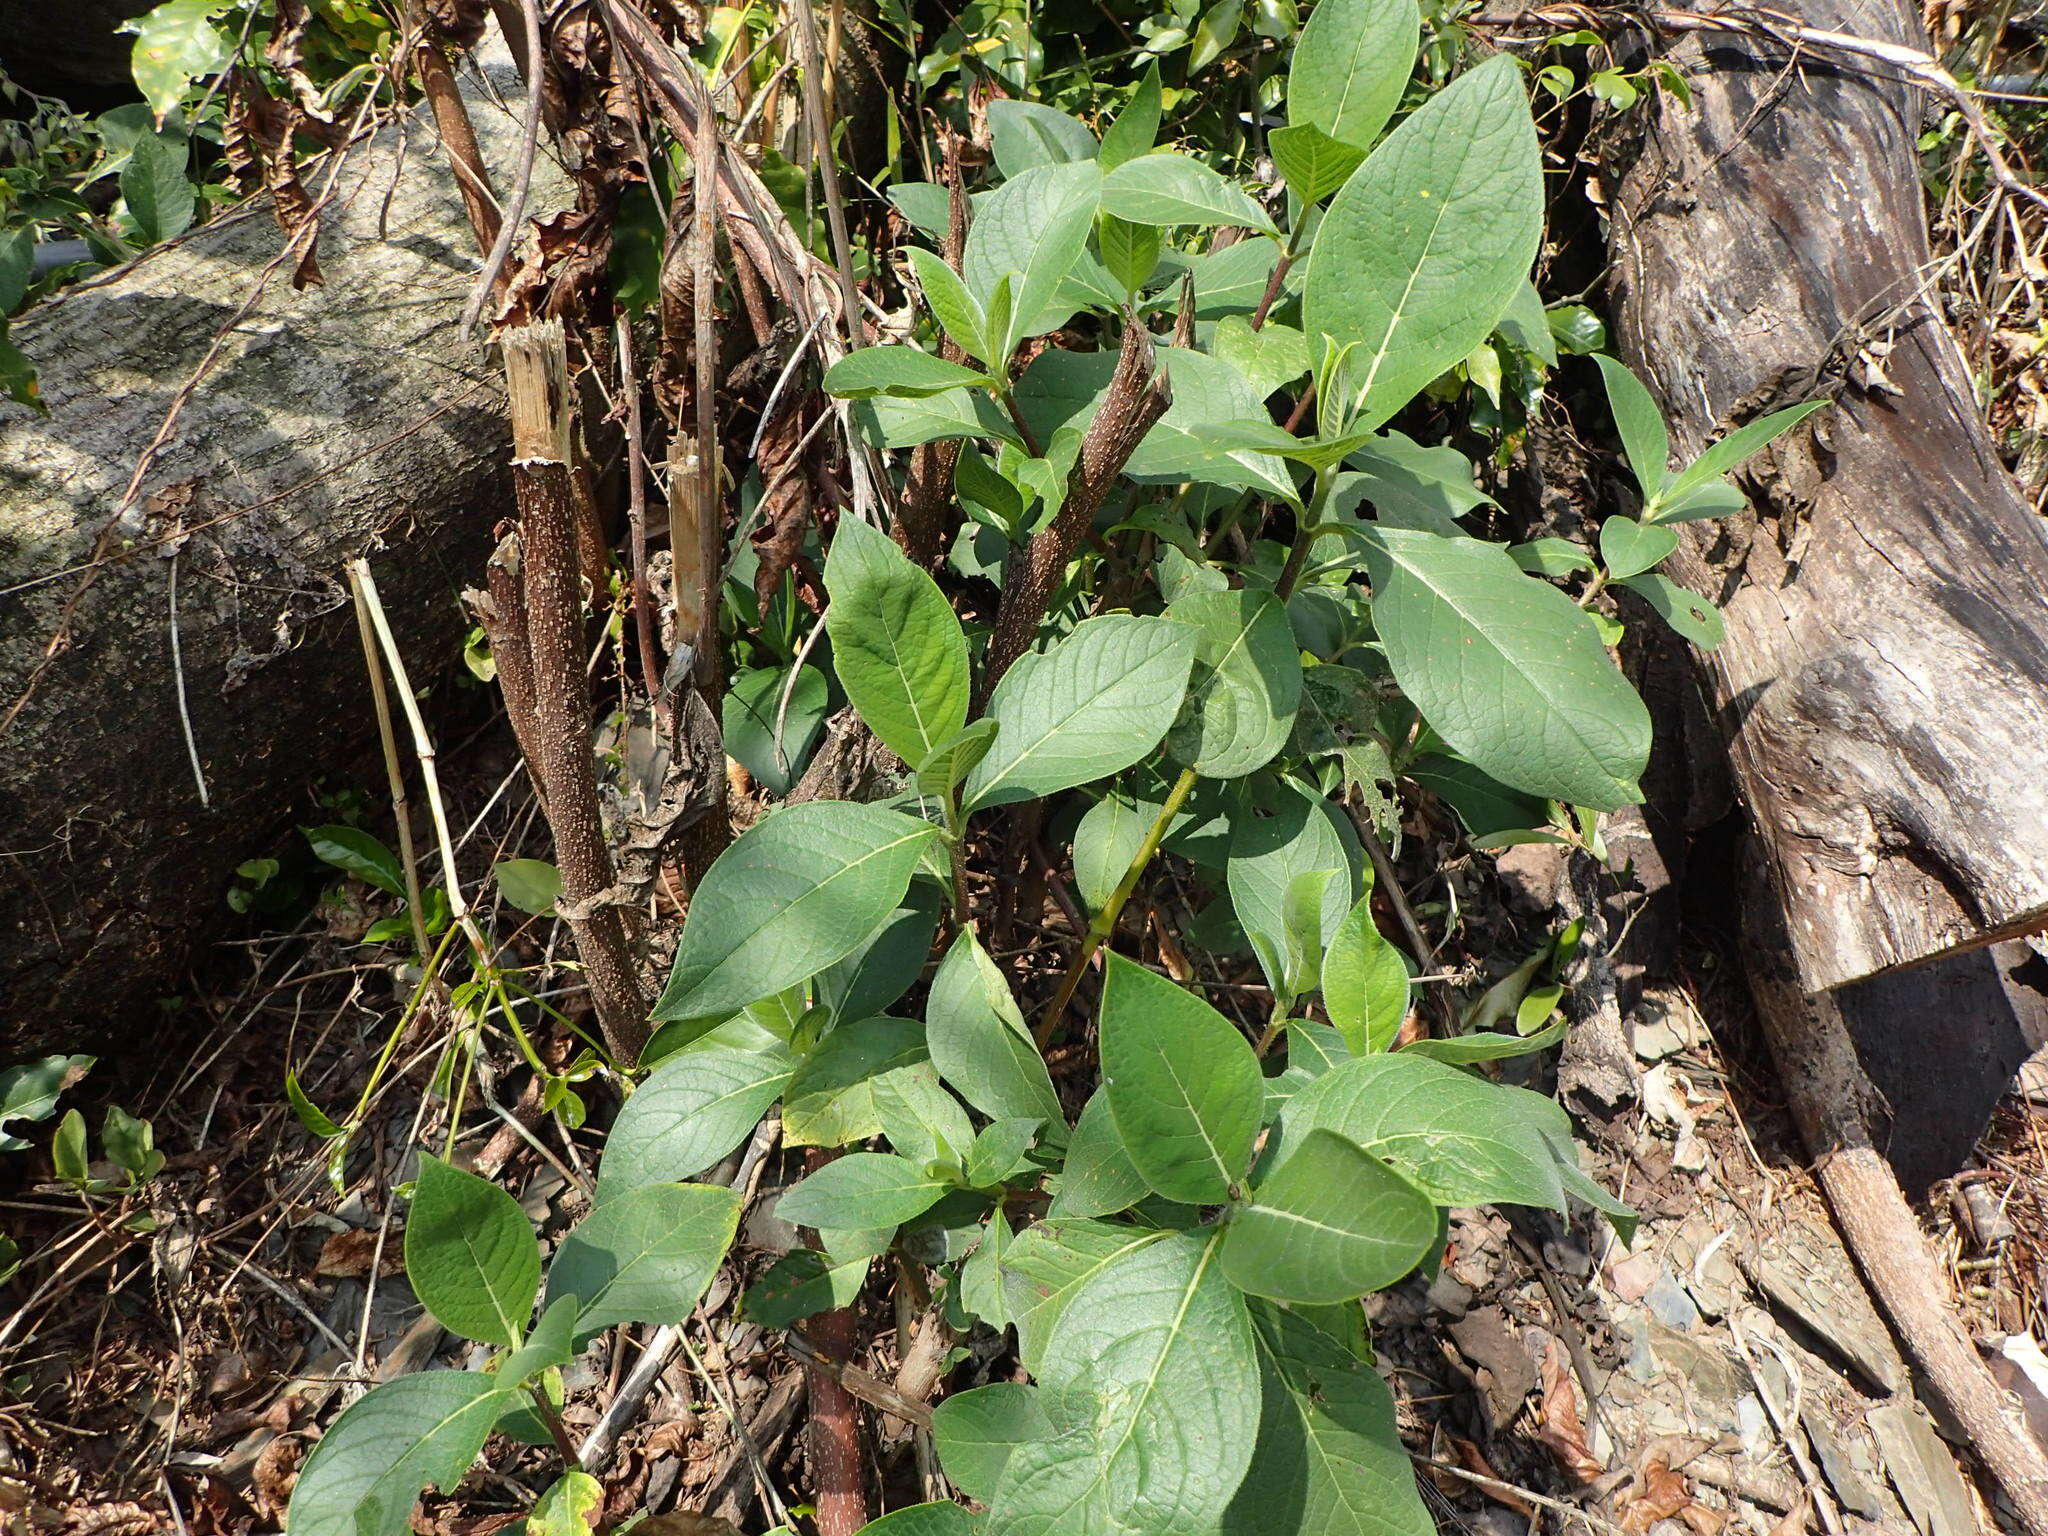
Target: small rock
(1923, 1470)
(1670, 1303)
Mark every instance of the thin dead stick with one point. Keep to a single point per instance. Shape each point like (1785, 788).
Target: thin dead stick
(704, 345)
(522, 177)
(394, 773)
(1559, 1507)
(178, 681)
(422, 742)
(636, 513)
(813, 81)
(870, 1389)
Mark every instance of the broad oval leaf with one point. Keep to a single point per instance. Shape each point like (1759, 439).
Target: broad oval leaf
(830, 1101)
(861, 1190)
(1268, 857)
(938, 1518)
(1032, 228)
(1427, 244)
(1312, 163)
(1465, 1140)
(899, 372)
(1098, 1177)
(1365, 982)
(1331, 1223)
(1692, 616)
(471, 1255)
(1351, 65)
(898, 649)
(366, 1473)
(646, 1256)
(1087, 706)
(1507, 669)
(978, 1040)
(1048, 1264)
(976, 1431)
(1246, 687)
(1329, 1459)
(694, 1108)
(799, 891)
(1630, 548)
(1170, 189)
(956, 310)
(1024, 134)
(750, 714)
(1151, 1378)
(1641, 425)
(1182, 1083)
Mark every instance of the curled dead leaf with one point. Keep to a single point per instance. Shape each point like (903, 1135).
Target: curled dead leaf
(1563, 1431)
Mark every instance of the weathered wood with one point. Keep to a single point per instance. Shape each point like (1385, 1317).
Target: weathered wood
(1883, 681)
(346, 419)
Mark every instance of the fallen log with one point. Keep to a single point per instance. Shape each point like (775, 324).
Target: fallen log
(178, 659)
(1880, 688)
(1887, 651)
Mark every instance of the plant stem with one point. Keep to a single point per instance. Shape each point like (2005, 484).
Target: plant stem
(387, 738)
(557, 1431)
(1305, 535)
(1103, 924)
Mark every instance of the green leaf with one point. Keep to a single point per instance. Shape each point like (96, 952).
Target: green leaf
(694, 1108)
(1629, 548)
(954, 758)
(1182, 1083)
(1527, 326)
(748, 716)
(354, 852)
(571, 1506)
(1311, 162)
(531, 885)
(1730, 452)
(645, 1256)
(1269, 358)
(1692, 616)
(1246, 685)
(1365, 983)
(1507, 669)
(938, 1518)
(1550, 557)
(1186, 445)
(365, 1474)
(980, 1285)
(801, 1284)
(1329, 1460)
(1351, 65)
(878, 973)
(1106, 840)
(153, 184)
(1088, 706)
(956, 310)
(311, 1115)
(907, 423)
(1098, 1178)
(1024, 134)
(924, 1123)
(1411, 486)
(1486, 806)
(1130, 252)
(899, 372)
(1488, 1045)
(550, 1346)
(976, 1431)
(831, 1100)
(67, 1150)
(1033, 228)
(30, 1091)
(1168, 189)
(1641, 425)
(979, 1042)
(131, 1145)
(176, 44)
(1151, 1380)
(1267, 855)
(925, 205)
(1000, 1151)
(1329, 1224)
(470, 1254)
(861, 1189)
(1425, 247)
(899, 651)
(800, 890)
(1048, 1264)
(1712, 498)
(1466, 1141)
(1136, 128)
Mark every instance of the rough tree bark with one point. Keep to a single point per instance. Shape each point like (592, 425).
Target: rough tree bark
(334, 422)
(1887, 604)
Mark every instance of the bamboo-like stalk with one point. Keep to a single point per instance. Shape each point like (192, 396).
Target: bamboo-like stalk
(394, 771)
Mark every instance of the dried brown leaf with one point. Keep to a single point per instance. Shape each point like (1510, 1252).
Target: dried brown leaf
(1563, 1431)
